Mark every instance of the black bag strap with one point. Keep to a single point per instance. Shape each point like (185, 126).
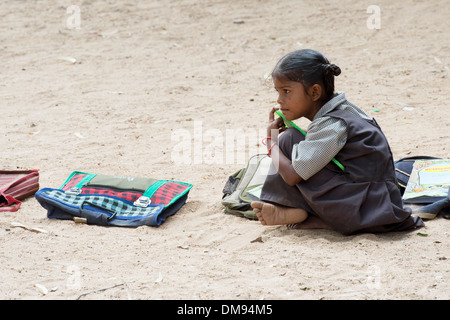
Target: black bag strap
(414, 158)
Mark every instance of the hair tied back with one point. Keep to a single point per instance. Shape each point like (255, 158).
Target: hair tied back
(332, 69)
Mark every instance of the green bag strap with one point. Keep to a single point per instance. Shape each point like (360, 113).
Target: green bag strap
(152, 189)
(85, 180)
(77, 188)
(82, 182)
(158, 184)
(292, 124)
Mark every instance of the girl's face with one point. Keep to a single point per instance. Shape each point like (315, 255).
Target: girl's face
(295, 102)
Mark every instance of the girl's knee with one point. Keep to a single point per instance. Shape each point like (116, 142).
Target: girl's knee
(288, 139)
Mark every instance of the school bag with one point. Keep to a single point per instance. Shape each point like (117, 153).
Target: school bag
(403, 169)
(120, 201)
(426, 207)
(16, 185)
(244, 186)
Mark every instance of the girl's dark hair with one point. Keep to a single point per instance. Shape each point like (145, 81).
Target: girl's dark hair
(308, 67)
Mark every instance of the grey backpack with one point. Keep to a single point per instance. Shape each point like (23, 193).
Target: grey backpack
(244, 186)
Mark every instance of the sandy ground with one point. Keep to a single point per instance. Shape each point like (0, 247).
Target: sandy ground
(151, 73)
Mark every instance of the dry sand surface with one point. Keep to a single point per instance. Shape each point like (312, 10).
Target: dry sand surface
(148, 74)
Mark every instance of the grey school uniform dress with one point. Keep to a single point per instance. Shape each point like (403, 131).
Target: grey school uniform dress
(363, 198)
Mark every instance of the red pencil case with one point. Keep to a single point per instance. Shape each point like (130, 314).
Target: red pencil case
(16, 185)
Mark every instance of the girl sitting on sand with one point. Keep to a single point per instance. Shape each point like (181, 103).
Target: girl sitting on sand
(310, 191)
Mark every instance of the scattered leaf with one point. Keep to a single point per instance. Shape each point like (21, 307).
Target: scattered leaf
(259, 239)
(39, 230)
(20, 225)
(404, 104)
(109, 33)
(422, 233)
(79, 135)
(41, 288)
(159, 279)
(68, 59)
(305, 288)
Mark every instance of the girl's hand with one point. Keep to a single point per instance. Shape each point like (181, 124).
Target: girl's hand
(280, 161)
(275, 126)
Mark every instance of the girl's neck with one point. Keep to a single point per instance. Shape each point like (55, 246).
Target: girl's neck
(317, 105)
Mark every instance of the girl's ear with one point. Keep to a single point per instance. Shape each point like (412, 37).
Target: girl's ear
(315, 92)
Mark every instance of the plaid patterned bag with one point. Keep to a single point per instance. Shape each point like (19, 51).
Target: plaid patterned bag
(16, 185)
(114, 200)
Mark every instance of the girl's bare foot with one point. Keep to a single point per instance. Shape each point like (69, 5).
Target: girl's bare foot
(269, 214)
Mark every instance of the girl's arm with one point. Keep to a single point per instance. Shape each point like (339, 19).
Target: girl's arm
(284, 166)
(280, 161)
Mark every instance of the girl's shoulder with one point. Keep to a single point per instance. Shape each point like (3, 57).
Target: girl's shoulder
(327, 123)
(348, 106)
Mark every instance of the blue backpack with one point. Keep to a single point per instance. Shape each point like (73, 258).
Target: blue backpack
(114, 200)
